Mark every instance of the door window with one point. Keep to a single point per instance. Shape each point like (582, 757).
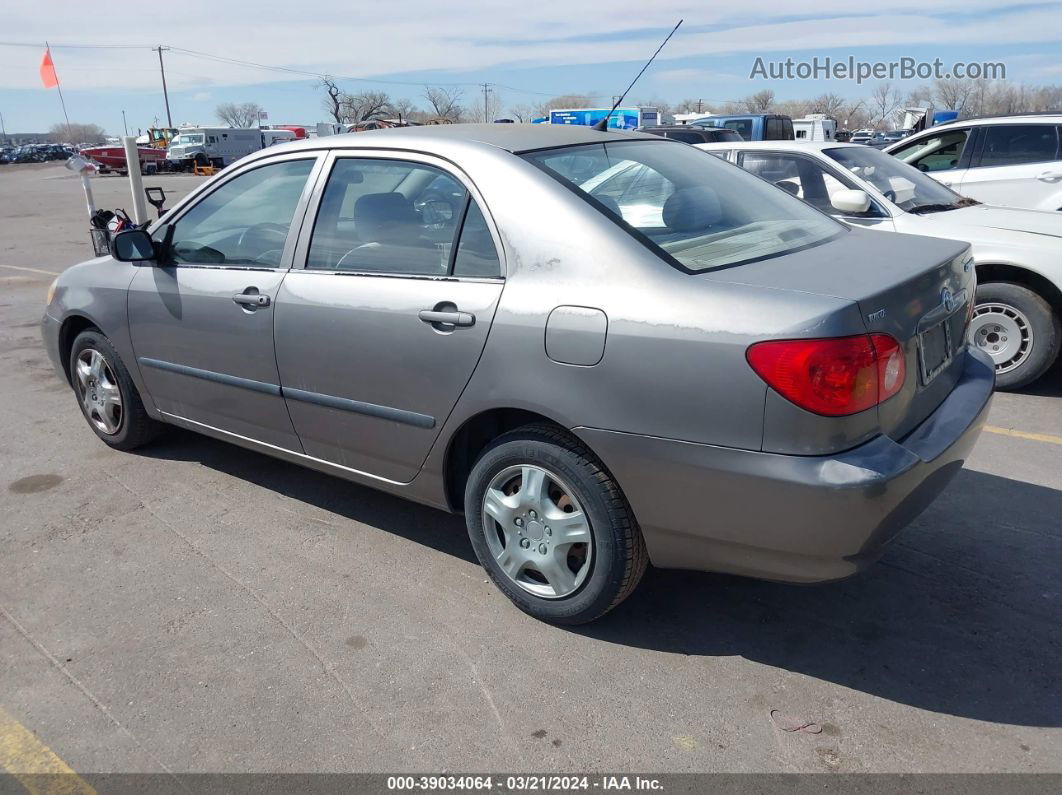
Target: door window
(742, 127)
(393, 216)
(939, 152)
(245, 221)
(1015, 144)
(476, 253)
(775, 130)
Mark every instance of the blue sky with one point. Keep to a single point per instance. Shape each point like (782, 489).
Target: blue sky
(528, 51)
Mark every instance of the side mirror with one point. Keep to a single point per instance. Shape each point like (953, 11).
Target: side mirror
(850, 202)
(132, 245)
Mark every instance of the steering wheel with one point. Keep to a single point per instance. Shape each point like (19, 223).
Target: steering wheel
(270, 234)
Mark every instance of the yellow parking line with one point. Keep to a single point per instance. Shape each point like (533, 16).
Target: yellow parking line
(29, 270)
(34, 764)
(1035, 437)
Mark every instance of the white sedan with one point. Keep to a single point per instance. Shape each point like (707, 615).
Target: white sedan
(1018, 253)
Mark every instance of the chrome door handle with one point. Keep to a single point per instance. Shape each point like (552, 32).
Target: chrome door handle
(449, 318)
(251, 299)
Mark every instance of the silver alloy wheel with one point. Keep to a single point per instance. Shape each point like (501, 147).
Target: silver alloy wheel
(98, 390)
(537, 531)
(1003, 332)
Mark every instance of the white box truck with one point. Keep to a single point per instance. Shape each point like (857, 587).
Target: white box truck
(219, 146)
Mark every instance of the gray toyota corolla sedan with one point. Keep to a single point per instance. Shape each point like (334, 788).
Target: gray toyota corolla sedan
(605, 349)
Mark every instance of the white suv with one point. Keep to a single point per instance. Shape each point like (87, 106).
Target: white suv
(1012, 161)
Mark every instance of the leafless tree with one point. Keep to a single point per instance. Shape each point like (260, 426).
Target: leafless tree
(332, 100)
(828, 104)
(445, 102)
(245, 114)
(485, 109)
(884, 100)
(404, 109)
(760, 102)
(953, 94)
(364, 105)
(523, 113)
(77, 134)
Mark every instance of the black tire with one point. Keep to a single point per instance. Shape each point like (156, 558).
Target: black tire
(135, 427)
(1043, 323)
(618, 558)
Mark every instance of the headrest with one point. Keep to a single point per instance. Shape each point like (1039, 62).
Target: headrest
(692, 209)
(382, 207)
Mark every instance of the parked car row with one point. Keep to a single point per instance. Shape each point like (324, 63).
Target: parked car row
(35, 153)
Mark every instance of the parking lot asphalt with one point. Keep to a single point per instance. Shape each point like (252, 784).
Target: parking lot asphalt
(197, 607)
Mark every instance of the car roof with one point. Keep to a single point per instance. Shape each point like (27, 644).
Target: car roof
(515, 138)
(794, 146)
(1044, 118)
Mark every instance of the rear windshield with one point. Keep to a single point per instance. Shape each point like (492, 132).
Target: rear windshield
(697, 211)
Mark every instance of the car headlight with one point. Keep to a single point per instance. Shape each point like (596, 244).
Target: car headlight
(51, 291)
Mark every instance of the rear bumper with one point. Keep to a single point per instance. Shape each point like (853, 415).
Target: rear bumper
(785, 517)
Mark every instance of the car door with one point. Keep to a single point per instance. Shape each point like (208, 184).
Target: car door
(943, 154)
(1016, 165)
(382, 321)
(202, 320)
(810, 179)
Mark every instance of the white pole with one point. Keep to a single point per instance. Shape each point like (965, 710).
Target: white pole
(136, 180)
(88, 194)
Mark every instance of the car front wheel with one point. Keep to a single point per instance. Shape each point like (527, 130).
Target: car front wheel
(551, 527)
(107, 395)
(1018, 330)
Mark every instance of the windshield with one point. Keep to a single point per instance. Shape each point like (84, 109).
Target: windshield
(903, 185)
(188, 139)
(698, 211)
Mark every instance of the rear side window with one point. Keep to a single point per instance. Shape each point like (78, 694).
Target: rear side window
(1014, 144)
(935, 152)
(394, 216)
(742, 127)
(775, 130)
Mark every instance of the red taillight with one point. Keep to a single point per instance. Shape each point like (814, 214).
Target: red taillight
(835, 377)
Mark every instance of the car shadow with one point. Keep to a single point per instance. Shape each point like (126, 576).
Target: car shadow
(428, 526)
(962, 615)
(1048, 385)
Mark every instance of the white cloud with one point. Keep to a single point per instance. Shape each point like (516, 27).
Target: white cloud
(380, 38)
(201, 96)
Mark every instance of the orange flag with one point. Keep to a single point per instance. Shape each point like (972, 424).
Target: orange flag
(48, 75)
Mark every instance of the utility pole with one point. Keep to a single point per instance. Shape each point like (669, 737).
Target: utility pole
(700, 105)
(124, 124)
(165, 94)
(486, 111)
(3, 129)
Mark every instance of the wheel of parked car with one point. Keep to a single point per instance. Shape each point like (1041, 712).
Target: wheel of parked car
(1018, 329)
(551, 527)
(107, 395)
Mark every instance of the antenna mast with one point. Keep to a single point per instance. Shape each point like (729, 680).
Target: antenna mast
(603, 124)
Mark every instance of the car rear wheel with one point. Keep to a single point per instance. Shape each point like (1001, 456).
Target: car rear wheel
(1018, 330)
(551, 527)
(107, 395)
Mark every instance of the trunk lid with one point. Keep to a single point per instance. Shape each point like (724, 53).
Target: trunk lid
(916, 289)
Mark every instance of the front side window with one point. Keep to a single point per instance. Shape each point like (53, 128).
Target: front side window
(395, 216)
(939, 152)
(906, 187)
(800, 176)
(699, 213)
(1015, 144)
(245, 221)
